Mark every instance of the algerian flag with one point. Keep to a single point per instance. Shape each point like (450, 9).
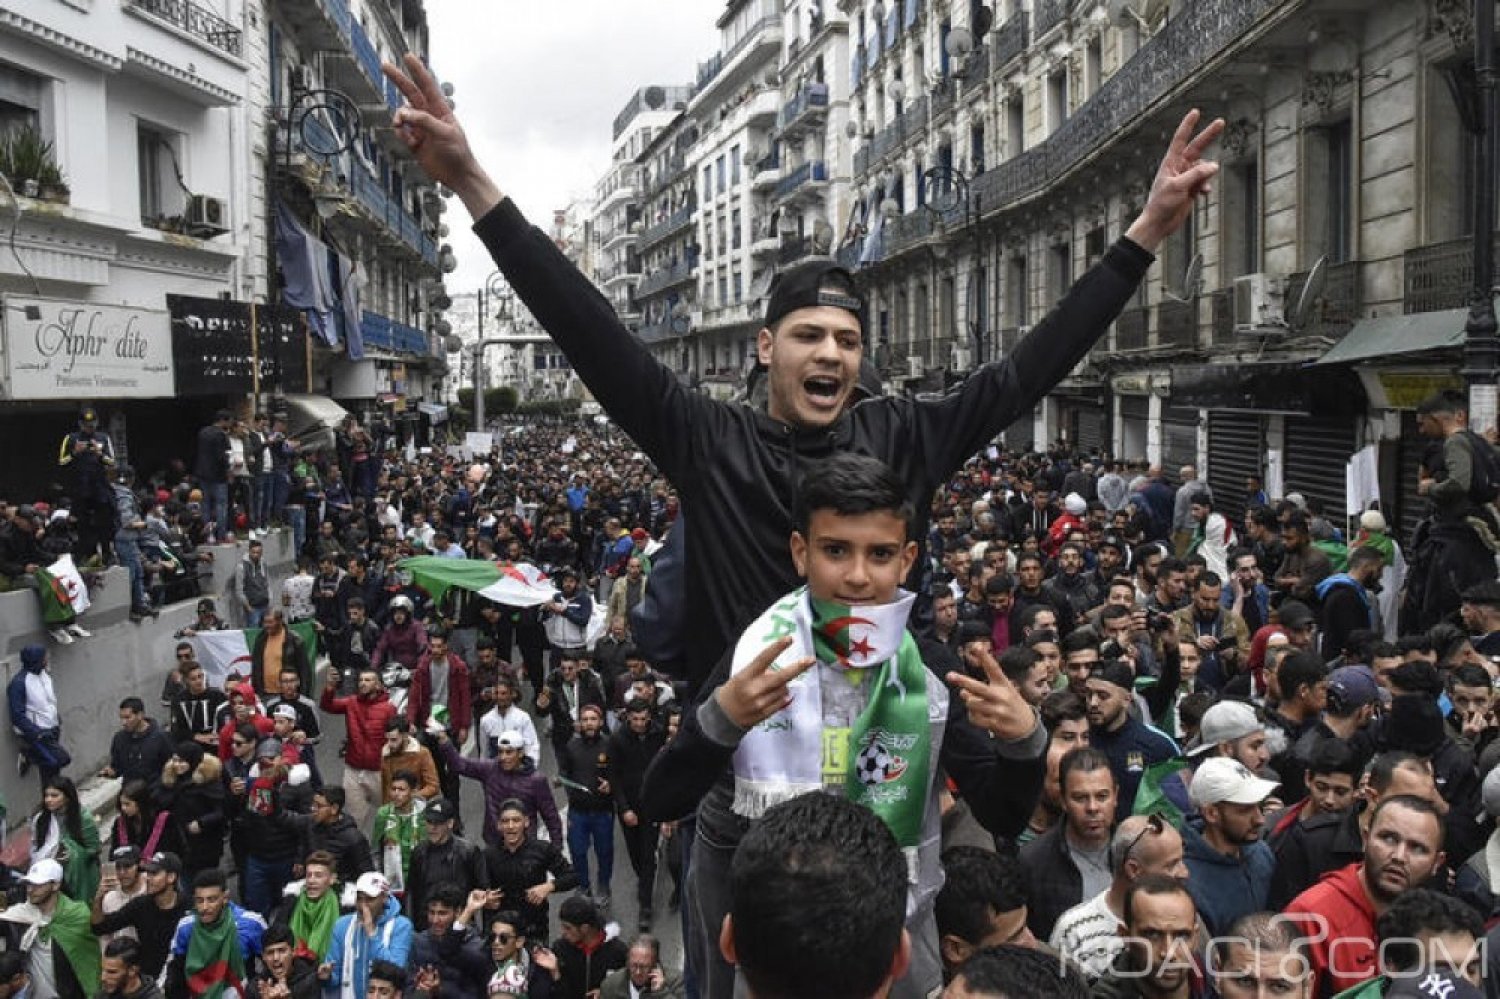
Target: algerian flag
(65, 572)
(223, 652)
(62, 593)
(515, 584)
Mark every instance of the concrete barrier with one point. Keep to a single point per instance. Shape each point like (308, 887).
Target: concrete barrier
(92, 675)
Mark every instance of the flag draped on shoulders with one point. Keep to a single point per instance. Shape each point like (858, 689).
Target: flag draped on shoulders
(215, 963)
(223, 652)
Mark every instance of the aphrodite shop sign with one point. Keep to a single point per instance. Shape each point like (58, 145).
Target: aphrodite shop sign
(63, 349)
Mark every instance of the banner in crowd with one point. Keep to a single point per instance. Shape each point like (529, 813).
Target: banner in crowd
(518, 584)
(66, 349)
(223, 652)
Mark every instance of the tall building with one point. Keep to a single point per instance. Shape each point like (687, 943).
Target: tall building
(668, 248)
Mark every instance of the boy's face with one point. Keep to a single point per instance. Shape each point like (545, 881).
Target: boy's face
(859, 559)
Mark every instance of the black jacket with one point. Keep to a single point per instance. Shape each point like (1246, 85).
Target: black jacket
(457, 862)
(581, 973)
(18, 549)
(526, 867)
(293, 656)
(211, 464)
(198, 797)
(153, 925)
(736, 468)
(343, 839)
(586, 762)
(630, 755)
(1053, 883)
(302, 981)
(590, 691)
(460, 957)
(140, 755)
(1308, 850)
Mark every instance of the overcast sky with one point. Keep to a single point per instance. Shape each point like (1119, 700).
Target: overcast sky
(538, 84)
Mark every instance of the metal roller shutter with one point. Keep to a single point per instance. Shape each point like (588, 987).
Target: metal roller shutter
(1179, 439)
(1091, 429)
(1236, 447)
(1317, 451)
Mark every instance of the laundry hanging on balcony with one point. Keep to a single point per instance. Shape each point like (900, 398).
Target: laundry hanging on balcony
(306, 283)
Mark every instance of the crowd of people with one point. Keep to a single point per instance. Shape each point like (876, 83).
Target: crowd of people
(899, 710)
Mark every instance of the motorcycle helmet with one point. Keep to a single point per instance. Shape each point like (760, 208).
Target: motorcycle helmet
(401, 602)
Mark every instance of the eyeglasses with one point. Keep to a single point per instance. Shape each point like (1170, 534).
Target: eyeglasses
(504, 938)
(1154, 824)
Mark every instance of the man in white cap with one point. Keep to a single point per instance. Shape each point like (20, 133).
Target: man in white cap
(62, 951)
(506, 718)
(374, 931)
(1229, 865)
(1229, 729)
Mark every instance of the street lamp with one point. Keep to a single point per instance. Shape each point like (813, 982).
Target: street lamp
(1481, 345)
(957, 194)
(334, 109)
(494, 288)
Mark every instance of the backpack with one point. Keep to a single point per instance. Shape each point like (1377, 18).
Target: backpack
(1484, 485)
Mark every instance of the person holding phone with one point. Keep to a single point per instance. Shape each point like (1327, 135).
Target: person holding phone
(643, 976)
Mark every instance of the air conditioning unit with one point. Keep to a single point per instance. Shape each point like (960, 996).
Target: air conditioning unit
(303, 79)
(962, 358)
(916, 366)
(1257, 303)
(207, 215)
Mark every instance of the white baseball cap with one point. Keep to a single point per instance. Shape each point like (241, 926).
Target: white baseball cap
(1221, 781)
(510, 740)
(285, 711)
(372, 883)
(44, 872)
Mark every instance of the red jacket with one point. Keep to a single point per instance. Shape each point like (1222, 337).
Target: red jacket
(1058, 533)
(419, 693)
(1340, 922)
(364, 724)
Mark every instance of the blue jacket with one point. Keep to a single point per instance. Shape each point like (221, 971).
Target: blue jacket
(1225, 888)
(250, 925)
(1131, 749)
(34, 660)
(352, 952)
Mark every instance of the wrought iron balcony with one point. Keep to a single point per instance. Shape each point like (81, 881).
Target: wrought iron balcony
(1130, 329)
(1337, 308)
(390, 334)
(195, 20)
(671, 170)
(1439, 276)
(811, 172)
(793, 249)
(1009, 41)
(1177, 324)
(1050, 13)
(810, 101)
(666, 277)
(672, 224)
(906, 230)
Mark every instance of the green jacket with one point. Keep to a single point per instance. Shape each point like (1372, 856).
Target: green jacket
(1372, 989)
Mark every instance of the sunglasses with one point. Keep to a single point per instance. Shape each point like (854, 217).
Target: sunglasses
(504, 938)
(1155, 824)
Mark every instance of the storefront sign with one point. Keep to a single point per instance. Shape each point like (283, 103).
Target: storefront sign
(225, 347)
(63, 349)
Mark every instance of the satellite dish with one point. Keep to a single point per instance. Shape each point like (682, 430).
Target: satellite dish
(442, 302)
(984, 19)
(822, 236)
(443, 328)
(1317, 279)
(654, 97)
(453, 343)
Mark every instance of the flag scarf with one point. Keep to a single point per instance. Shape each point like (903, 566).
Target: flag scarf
(215, 964)
(62, 591)
(312, 925)
(883, 761)
(70, 931)
(515, 584)
(220, 652)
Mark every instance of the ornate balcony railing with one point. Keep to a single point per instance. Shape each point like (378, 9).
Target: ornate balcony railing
(390, 334)
(813, 171)
(906, 230)
(677, 221)
(1177, 324)
(1050, 13)
(1439, 276)
(1337, 308)
(1130, 329)
(195, 20)
(811, 97)
(666, 277)
(1222, 305)
(1009, 41)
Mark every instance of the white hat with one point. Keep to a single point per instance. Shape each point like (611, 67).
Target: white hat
(1221, 781)
(1225, 722)
(1297, 500)
(44, 872)
(1372, 520)
(285, 711)
(372, 883)
(1075, 504)
(510, 740)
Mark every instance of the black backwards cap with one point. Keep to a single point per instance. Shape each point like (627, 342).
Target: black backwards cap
(811, 284)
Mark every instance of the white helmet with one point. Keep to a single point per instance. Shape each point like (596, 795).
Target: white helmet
(401, 602)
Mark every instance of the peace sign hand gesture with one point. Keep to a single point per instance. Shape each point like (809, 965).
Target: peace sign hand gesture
(994, 703)
(431, 131)
(1182, 176)
(757, 692)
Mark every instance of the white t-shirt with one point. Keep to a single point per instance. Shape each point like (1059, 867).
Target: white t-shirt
(494, 724)
(1089, 933)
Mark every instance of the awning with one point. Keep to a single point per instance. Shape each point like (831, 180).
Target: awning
(1409, 334)
(436, 412)
(1265, 387)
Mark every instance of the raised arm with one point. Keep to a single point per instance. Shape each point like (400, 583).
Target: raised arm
(954, 426)
(642, 395)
